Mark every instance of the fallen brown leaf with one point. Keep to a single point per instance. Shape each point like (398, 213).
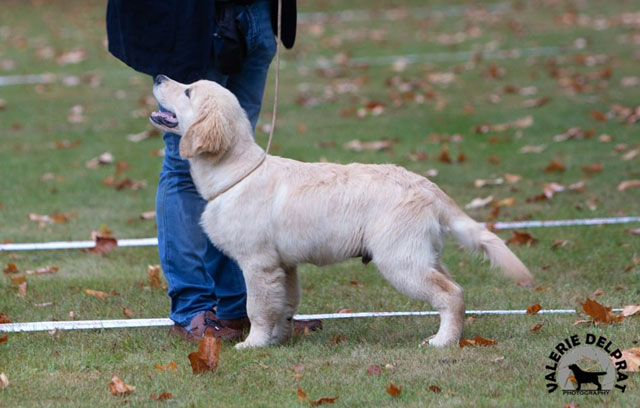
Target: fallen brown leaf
(542, 288)
(4, 338)
(153, 275)
(536, 327)
(435, 389)
(343, 310)
(118, 387)
(522, 238)
(18, 280)
(162, 397)
(11, 268)
(477, 341)
(534, 309)
(170, 366)
(625, 185)
(600, 313)
(207, 356)
(630, 310)
(4, 380)
(359, 146)
(593, 168)
(597, 292)
(374, 370)
(42, 271)
(97, 293)
(104, 245)
(555, 165)
(4, 318)
(599, 116)
(632, 358)
(393, 389)
(127, 312)
(22, 289)
(302, 396)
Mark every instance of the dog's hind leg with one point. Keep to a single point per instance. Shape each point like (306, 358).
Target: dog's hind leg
(434, 286)
(284, 326)
(266, 304)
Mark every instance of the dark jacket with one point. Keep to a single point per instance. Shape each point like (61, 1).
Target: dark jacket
(174, 37)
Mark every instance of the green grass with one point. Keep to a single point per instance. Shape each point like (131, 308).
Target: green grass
(72, 368)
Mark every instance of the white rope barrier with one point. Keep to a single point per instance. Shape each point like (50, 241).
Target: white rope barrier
(138, 323)
(141, 242)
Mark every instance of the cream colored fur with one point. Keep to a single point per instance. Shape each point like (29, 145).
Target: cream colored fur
(287, 212)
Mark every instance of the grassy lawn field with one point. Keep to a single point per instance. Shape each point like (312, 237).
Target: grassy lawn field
(541, 91)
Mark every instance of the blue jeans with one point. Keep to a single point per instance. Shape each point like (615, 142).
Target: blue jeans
(200, 276)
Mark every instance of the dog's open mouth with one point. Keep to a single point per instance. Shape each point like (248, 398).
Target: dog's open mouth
(166, 119)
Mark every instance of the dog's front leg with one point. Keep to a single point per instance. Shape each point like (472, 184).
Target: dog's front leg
(266, 305)
(284, 327)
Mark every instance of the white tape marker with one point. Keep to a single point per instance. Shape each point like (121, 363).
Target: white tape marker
(397, 13)
(137, 323)
(140, 242)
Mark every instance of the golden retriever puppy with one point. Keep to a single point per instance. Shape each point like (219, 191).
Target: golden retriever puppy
(271, 213)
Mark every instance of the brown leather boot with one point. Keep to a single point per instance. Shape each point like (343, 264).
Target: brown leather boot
(205, 322)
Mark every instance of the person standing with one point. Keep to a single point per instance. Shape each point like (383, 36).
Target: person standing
(231, 42)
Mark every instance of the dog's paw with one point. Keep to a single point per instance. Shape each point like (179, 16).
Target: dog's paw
(434, 341)
(243, 345)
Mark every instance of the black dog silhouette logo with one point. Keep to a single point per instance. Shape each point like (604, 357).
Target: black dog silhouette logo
(583, 365)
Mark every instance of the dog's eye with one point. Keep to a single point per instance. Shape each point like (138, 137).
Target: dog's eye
(188, 92)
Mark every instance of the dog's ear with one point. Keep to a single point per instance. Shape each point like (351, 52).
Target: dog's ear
(210, 133)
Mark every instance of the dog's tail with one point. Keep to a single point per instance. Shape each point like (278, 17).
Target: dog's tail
(475, 236)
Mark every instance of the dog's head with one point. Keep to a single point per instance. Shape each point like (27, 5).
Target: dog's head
(204, 113)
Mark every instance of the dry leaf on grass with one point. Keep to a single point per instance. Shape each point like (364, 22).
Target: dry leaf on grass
(170, 366)
(4, 318)
(42, 271)
(393, 389)
(630, 310)
(625, 185)
(374, 370)
(207, 356)
(600, 313)
(555, 165)
(359, 146)
(304, 397)
(4, 338)
(153, 274)
(522, 238)
(118, 387)
(536, 327)
(632, 358)
(534, 309)
(104, 245)
(435, 389)
(11, 269)
(148, 215)
(477, 341)
(4, 380)
(128, 313)
(97, 293)
(479, 202)
(22, 289)
(162, 397)
(597, 292)
(18, 280)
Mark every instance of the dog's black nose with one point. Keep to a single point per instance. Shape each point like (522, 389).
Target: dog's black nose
(159, 79)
